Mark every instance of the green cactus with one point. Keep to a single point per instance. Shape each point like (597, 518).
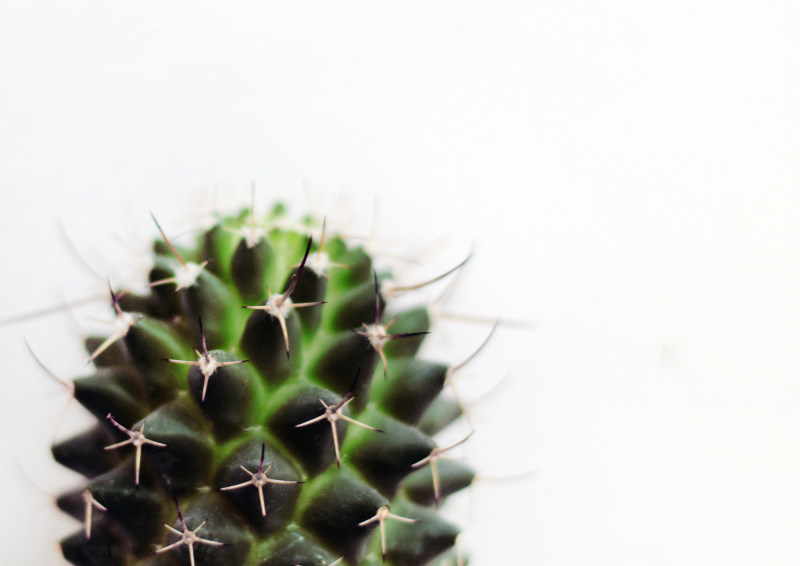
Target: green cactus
(242, 427)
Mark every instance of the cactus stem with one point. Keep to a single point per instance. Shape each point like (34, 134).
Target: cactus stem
(188, 537)
(333, 413)
(135, 437)
(380, 517)
(210, 450)
(89, 503)
(207, 363)
(432, 458)
(259, 479)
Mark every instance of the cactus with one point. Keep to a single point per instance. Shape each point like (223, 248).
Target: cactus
(240, 426)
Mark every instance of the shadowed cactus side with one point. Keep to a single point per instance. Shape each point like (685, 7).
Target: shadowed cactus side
(256, 407)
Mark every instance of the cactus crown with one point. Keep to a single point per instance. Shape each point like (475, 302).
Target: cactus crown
(256, 407)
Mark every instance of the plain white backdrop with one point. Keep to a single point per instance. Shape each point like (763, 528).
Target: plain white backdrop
(627, 173)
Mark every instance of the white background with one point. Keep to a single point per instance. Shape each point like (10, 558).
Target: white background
(627, 171)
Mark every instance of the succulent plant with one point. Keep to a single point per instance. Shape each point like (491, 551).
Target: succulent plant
(240, 426)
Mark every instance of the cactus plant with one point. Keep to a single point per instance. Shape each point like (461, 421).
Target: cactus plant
(240, 426)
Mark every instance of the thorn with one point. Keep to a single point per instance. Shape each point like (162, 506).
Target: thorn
(296, 275)
(172, 248)
(207, 363)
(187, 275)
(432, 458)
(321, 238)
(377, 299)
(123, 322)
(380, 517)
(137, 439)
(51, 310)
(178, 508)
(75, 253)
(391, 290)
(508, 477)
(320, 262)
(478, 319)
(332, 414)
(115, 299)
(474, 354)
(451, 371)
(68, 385)
(351, 392)
(280, 305)
(259, 479)
(89, 503)
(459, 557)
(188, 537)
(252, 240)
(377, 333)
(202, 336)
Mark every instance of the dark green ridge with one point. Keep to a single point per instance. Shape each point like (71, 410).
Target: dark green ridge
(187, 459)
(280, 499)
(295, 548)
(333, 506)
(249, 270)
(118, 390)
(212, 301)
(138, 511)
(114, 355)
(453, 477)
(416, 543)
(385, 458)
(164, 295)
(235, 396)
(411, 320)
(263, 344)
(149, 343)
(411, 385)
(84, 453)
